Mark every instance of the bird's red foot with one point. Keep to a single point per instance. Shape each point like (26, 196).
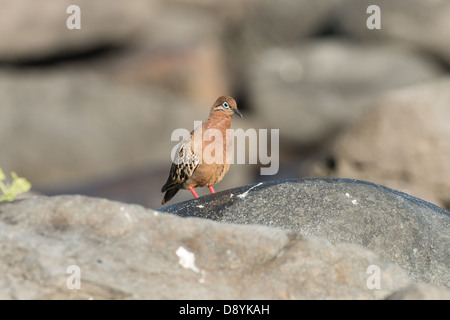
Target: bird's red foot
(211, 189)
(193, 192)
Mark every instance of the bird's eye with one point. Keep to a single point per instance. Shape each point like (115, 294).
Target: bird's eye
(225, 105)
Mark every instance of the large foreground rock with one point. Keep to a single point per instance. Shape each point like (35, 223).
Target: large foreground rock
(400, 228)
(125, 251)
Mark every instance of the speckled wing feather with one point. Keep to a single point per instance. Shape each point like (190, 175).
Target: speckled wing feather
(183, 166)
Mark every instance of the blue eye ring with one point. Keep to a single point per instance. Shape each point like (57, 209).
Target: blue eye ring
(226, 105)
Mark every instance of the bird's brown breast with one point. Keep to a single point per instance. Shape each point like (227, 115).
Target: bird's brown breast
(215, 153)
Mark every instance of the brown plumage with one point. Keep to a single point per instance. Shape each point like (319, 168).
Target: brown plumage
(197, 164)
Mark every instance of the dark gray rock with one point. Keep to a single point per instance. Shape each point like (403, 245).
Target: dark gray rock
(126, 251)
(400, 228)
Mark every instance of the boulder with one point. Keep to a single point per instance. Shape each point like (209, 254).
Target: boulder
(398, 227)
(285, 22)
(419, 24)
(33, 31)
(71, 128)
(404, 137)
(74, 247)
(180, 48)
(315, 90)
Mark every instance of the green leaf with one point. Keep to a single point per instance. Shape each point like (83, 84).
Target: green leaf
(19, 185)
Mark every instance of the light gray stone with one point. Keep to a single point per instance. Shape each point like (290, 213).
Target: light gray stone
(36, 30)
(285, 22)
(315, 90)
(403, 137)
(128, 252)
(420, 24)
(70, 128)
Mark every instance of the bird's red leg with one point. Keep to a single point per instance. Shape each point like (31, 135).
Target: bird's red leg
(211, 189)
(193, 192)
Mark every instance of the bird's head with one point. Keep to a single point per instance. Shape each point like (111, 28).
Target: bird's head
(227, 105)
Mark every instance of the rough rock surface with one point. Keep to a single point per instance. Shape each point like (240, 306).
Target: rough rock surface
(400, 228)
(126, 251)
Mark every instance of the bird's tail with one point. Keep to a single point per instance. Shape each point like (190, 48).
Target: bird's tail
(169, 195)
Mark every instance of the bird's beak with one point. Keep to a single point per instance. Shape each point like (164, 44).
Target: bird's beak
(238, 112)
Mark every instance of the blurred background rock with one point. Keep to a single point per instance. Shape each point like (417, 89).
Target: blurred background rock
(91, 111)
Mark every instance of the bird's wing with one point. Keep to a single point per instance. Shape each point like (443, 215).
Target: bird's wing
(183, 166)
